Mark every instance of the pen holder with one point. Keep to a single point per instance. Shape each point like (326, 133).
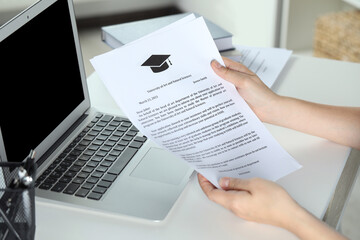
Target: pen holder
(17, 204)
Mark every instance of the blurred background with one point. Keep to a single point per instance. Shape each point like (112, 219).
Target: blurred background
(321, 28)
(270, 23)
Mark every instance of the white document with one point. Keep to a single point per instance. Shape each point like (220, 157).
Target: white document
(186, 108)
(267, 63)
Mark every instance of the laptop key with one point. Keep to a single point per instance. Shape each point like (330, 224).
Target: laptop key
(110, 158)
(83, 175)
(97, 174)
(55, 175)
(88, 185)
(115, 123)
(71, 189)
(135, 144)
(95, 196)
(89, 152)
(101, 124)
(78, 180)
(75, 153)
(65, 180)
(45, 186)
(59, 187)
(110, 128)
(75, 169)
(60, 169)
(102, 169)
(109, 177)
(107, 118)
(123, 160)
(85, 142)
(70, 174)
(50, 180)
(123, 143)
(82, 192)
(84, 157)
(126, 124)
(104, 184)
(86, 172)
(98, 189)
(131, 133)
(106, 163)
(88, 138)
(92, 180)
(106, 133)
(79, 163)
(99, 140)
(88, 169)
(140, 139)
(65, 164)
(70, 159)
(92, 164)
(119, 133)
(115, 153)
(127, 138)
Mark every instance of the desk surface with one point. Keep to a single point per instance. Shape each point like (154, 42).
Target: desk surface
(194, 216)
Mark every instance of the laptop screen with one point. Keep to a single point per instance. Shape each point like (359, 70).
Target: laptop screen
(40, 80)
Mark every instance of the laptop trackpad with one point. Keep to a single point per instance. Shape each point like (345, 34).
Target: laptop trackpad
(161, 166)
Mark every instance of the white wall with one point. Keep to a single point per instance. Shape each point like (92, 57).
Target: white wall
(252, 22)
(86, 8)
(299, 18)
(270, 23)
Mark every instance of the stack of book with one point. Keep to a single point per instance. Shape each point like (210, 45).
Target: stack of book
(121, 34)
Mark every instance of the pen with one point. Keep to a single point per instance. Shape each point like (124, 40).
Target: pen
(24, 178)
(28, 170)
(30, 163)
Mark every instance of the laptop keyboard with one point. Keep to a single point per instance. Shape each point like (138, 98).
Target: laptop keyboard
(94, 159)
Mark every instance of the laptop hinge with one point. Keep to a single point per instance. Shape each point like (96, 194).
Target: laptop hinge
(42, 159)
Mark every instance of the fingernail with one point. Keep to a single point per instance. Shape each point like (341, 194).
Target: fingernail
(224, 182)
(216, 63)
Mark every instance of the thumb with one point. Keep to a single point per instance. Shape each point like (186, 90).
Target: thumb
(228, 74)
(228, 183)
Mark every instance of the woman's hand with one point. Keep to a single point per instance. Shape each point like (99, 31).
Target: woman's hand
(260, 98)
(266, 202)
(338, 124)
(254, 199)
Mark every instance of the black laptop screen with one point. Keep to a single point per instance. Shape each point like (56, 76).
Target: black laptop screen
(40, 82)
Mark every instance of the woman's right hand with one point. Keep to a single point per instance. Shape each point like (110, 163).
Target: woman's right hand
(258, 96)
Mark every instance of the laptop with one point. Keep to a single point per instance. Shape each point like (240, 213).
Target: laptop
(86, 158)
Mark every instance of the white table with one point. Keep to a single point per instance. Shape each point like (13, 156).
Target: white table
(194, 216)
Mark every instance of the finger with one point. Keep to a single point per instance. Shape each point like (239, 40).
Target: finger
(232, 76)
(228, 74)
(207, 187)
(228, 183)
(205, 184)
(236, 66)
(229, 199)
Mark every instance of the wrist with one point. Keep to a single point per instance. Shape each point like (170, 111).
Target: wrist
(274, 110)
(297, 220)
(285, 112)
(306, 226)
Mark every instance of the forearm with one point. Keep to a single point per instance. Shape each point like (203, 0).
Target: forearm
(306, 226)
(338, 124)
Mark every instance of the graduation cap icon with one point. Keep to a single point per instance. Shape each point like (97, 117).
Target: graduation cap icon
(157, 63)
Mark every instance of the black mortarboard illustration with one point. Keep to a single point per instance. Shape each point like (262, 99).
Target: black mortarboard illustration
(157, 63)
